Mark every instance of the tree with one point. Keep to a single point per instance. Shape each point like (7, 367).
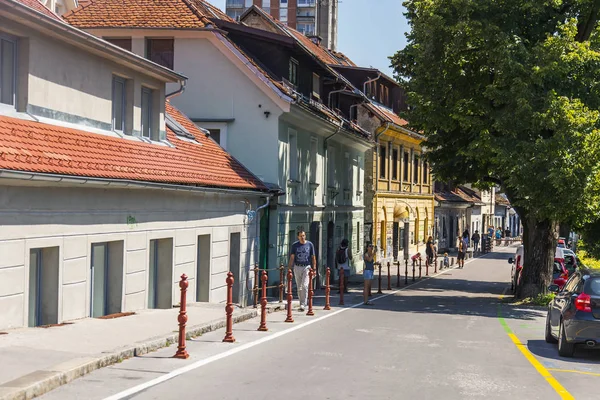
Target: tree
(507, 93)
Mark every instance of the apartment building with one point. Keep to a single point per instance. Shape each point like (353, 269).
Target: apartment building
(310, 17)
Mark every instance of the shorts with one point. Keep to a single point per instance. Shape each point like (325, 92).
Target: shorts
(368, 274)
(461, 255)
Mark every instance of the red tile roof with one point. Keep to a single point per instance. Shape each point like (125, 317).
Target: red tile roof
(44, 148)
(39, 7)
(174, 14)
(387, 114)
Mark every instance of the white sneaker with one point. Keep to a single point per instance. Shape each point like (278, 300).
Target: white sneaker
(301, 308)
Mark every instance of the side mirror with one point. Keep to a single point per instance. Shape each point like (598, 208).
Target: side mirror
(553, 288)
(511, 261)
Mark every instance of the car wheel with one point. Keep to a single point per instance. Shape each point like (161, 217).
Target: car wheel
(549, 337)
(565, 349)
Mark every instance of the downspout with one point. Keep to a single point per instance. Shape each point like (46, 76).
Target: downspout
(369, 81)
(257, 250)
(176, 93)
(376, 210)
(332, 92)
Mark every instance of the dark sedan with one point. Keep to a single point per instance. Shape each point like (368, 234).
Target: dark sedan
(574, 314)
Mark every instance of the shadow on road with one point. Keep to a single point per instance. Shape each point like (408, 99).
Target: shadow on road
(582, 355)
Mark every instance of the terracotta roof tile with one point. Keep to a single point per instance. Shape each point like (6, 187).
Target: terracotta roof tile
(38, 147)
(387, 114)
(174, 14)
(37, 6)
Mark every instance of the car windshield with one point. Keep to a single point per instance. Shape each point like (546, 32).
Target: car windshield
(570, 263)
(594, 286)
(557, 270)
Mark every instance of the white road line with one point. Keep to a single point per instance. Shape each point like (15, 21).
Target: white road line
(200, 363)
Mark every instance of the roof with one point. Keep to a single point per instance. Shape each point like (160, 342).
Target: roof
(43, 148)
(172, 14)
(39, 7)
(460, 194)
(387, 114)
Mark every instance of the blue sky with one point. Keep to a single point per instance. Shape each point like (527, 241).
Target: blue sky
(369, 30)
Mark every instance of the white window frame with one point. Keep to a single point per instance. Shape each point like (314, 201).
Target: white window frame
(14, 42)
(118, 79)
(293, 161)
(222, 126)
(314, 150)
(283, 15)
(149, 109)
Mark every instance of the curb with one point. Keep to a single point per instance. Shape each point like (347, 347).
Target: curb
(40, 382)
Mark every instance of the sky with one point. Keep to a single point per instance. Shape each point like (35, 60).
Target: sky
(369, 31)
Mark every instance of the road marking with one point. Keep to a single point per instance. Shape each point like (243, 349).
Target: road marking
(562, 392)
(573, 371)
(200, 363)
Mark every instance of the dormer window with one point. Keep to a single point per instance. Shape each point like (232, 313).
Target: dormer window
(161, 51)
(118, 104)
(8, 70)
(293, 73)
(316, 86)
(147, 115)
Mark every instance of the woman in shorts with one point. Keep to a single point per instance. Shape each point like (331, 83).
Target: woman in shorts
(369, 258)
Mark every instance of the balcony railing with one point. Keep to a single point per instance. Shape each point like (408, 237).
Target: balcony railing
(235, 3)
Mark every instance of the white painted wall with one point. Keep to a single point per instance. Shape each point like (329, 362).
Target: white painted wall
(74, 218)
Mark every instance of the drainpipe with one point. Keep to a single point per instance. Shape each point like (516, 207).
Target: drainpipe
(369, 81)
(387, 128)
(332, 92)
(257, 250)
(176, 93)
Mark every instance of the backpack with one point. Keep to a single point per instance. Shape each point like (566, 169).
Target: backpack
(340, 256)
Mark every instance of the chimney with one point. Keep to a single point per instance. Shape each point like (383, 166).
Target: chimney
(316, 39)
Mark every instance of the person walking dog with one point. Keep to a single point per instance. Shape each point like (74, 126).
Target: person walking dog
(302, 258)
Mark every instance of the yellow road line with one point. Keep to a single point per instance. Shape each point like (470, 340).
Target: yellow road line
(573, 371)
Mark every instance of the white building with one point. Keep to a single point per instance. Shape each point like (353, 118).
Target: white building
(107, 193)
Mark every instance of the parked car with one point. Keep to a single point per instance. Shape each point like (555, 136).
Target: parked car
(560, 273)
(571, 260)
(574, 313)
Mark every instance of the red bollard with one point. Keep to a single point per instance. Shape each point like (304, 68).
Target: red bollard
(341, 286)
(290, 276)
(379, 286)
(263, 304)
(182, 319)
(389, 286)
(406, 271)
(427, 266)
(281, 285)
(420, 266)
(229, 309)
(255, 286)
(311, 292)
(327, 290)
(398, 274)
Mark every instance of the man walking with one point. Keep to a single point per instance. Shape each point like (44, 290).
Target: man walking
(302, 257)
(475, 240)
(343, 256)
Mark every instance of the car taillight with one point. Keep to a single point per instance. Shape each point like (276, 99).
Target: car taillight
(583, 302)
(565, 275)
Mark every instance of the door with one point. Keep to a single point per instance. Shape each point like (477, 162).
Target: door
(396, 240)
(35, 278)
(43, 286)
(99, 273)
(203, 269)
(160, 274)
(234, 264)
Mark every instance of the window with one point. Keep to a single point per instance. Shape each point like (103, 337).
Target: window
(293, 154)
(358, 173)
(406, 165)
(8, 70)
(266, 5)
(235, 13)
(283, 15)
(160, 51)
(416, 169)
(382, 163)
(314, 143)
(118, 106)
(331, 167)
(293, 73)
(425, 172)
(306, 3)
(147, 116)
(306, 28)
(124, 43)
(386, 95)
(316, 85)
(395, 164)
(215, 134)
(348, 171)
(248, 3)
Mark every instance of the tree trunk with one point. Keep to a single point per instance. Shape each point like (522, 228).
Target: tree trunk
(539, 241)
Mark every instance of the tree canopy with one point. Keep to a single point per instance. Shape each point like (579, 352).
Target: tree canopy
(508, 92)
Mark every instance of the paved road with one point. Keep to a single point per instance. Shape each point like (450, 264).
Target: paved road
(442, 338)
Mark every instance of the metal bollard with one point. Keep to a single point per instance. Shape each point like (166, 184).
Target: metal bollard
(255, 287)
(229, 309)
(379, 285)
(182, 319)
(427, 266)
(406, 271)
(341, 286)
(414, 266)
(327, 289)
(420, 267)
(263, 303)
(281, 284)
(435, 265)
(290, 276)
(398, 274)
(389, 281)
(311, 292)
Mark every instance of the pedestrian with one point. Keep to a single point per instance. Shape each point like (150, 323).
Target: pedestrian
(475, 240)
(465, 236)
(369, 259)
(461, 253)
(446, 261)
(429, 250)
(302, 258)
(343, 256)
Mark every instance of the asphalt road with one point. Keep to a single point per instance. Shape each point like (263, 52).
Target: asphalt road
(448, 337)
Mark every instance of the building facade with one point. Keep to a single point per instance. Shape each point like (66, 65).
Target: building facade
(108, 194)
(310, 17)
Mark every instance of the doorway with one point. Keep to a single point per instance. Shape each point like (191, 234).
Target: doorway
(330, 253)
(106, 277)
(43, 286)
(395, 240)
(234, 264)
(160, 274)
(203, 269)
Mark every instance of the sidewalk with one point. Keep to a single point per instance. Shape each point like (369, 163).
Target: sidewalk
(37, 360)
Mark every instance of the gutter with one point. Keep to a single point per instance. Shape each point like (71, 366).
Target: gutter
(121, 183)
(179, 91)
(371, 80)
(95, 42)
